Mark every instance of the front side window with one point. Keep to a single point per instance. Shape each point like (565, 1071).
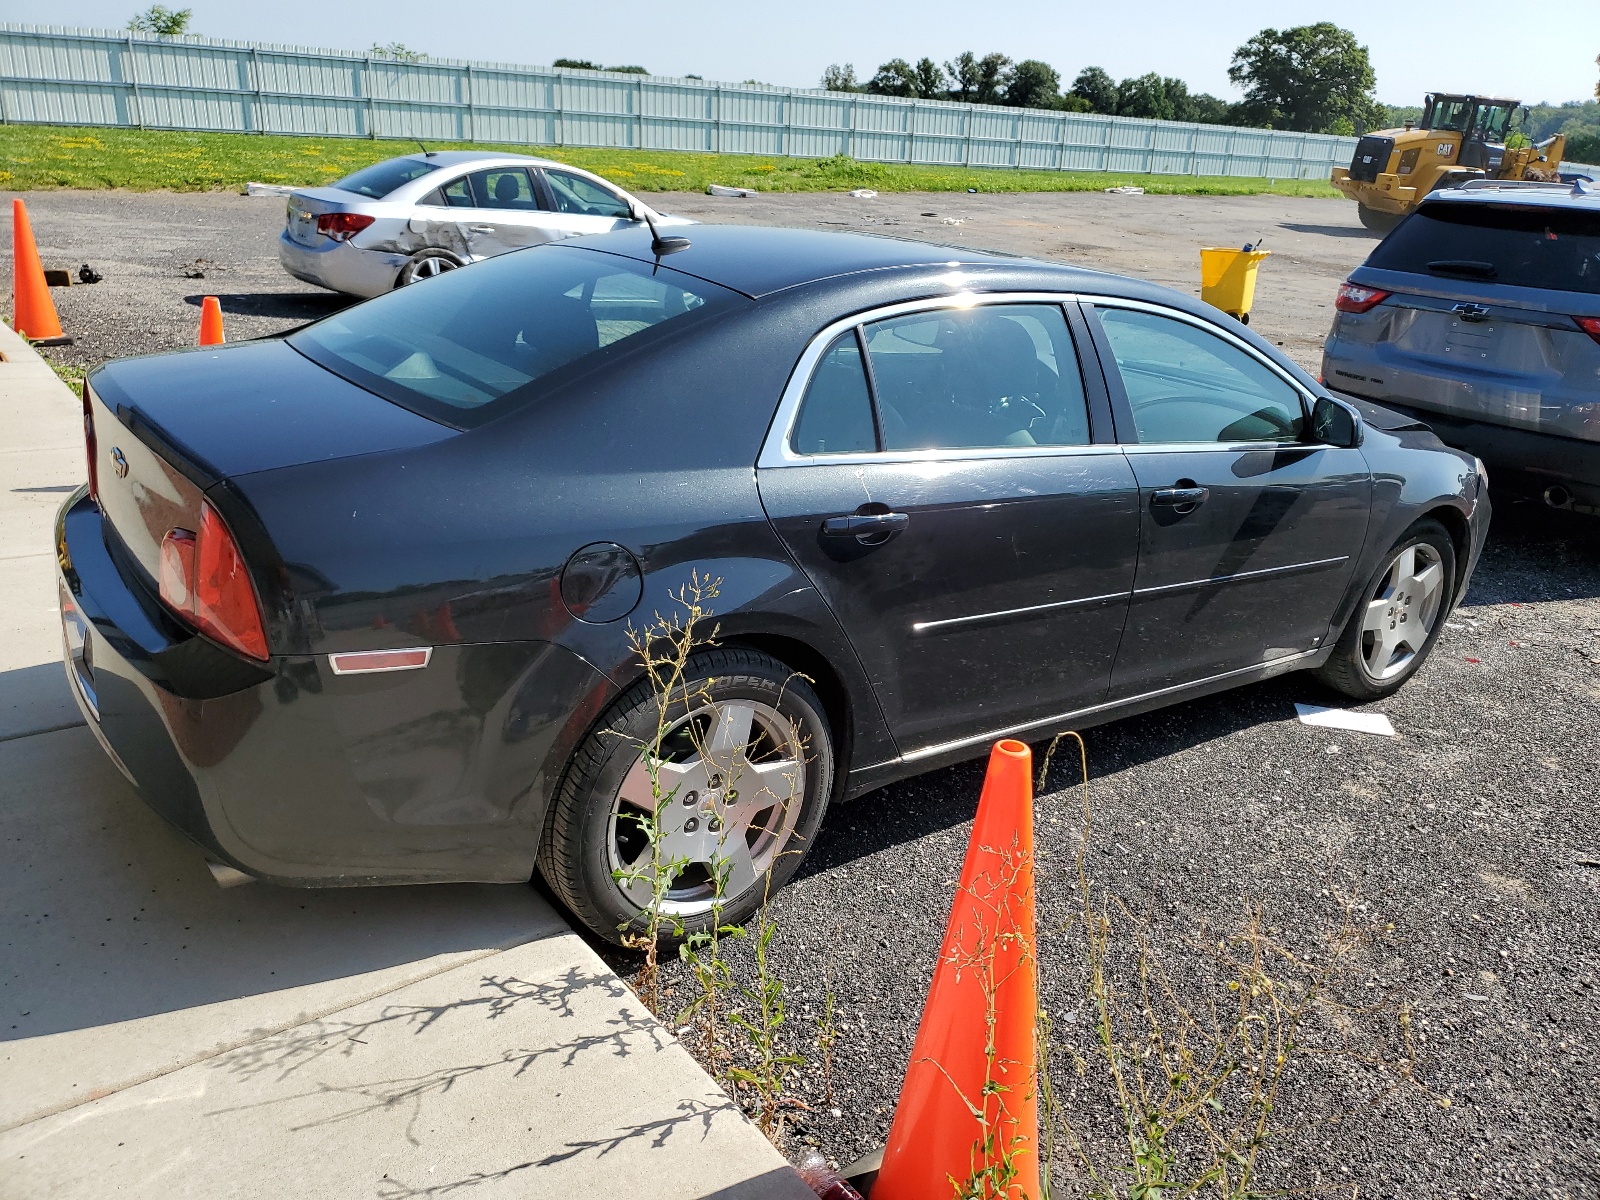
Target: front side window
(463, 347)
(1187, 385)
(989, 376)
(378, 180)
(1491, 122)
(578, 196)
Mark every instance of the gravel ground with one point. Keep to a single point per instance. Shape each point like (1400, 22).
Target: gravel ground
(149, 245)
(1470, 832)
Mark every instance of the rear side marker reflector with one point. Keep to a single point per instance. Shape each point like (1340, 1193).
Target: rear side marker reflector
(367, 662)
(1590, 325)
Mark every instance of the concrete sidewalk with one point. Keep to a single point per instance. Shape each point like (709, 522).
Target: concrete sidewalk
(161, 1037)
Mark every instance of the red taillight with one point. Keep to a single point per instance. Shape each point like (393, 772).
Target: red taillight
(1353, 298)
(1590, 325)
(204, 581)
(89, 445)
(342, 226)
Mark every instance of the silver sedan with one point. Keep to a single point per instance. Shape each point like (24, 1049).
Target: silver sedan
(407, 218)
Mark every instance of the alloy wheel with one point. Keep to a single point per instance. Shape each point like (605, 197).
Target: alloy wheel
(725, 794)
(1400, 617)
(427, 268)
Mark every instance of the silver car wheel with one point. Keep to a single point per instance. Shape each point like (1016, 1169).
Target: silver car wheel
(431, 266)
(426, 266)
(1400, 617)
(728, 787)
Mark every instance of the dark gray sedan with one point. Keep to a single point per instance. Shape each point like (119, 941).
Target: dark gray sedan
(354, 605)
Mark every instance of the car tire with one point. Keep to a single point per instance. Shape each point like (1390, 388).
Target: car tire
(593, 833)
(1378, 222)
(425, 264)
(1396, 613)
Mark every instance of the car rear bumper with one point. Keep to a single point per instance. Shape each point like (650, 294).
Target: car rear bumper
(296, 775)
(341, 266)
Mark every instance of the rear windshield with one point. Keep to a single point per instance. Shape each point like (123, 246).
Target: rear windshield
(378, 180)
(1556, 249)
(464, 346)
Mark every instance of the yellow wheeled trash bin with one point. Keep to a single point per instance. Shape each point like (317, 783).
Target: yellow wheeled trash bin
(1228, 279)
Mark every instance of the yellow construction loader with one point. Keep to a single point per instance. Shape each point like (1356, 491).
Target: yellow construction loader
(1458, 138)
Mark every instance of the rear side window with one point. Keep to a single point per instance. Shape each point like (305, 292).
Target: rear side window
(464, 346)
(1187, 385)
(377, 181)
(836, 416)
(1556, 249)
(502, 187)
(985, 377)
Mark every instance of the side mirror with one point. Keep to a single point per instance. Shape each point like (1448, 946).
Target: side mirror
(1335, 423)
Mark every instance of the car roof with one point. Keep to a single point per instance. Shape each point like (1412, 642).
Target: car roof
(456, 158)
(1523, 194)
(759, 260)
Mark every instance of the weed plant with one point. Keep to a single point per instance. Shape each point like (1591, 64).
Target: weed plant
(1204, 1070)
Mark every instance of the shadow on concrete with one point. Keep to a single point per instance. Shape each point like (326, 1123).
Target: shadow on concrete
(36, 699)
(690, 1114)
(111, 915)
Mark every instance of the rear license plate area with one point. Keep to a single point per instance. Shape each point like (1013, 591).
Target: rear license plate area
(1469, 341)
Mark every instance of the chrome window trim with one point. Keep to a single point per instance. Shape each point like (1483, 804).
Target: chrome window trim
(1307, 398)
(776, 451)
(1229, 447)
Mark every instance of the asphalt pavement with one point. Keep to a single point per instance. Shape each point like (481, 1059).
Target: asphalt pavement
(1472, 832)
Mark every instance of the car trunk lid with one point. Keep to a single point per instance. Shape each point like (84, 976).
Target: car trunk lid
(307, 205)
(166, 433)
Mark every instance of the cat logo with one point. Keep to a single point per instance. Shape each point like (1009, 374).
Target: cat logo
(1444, 149)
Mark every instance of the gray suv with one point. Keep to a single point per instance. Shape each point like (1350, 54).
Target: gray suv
(1480, 314)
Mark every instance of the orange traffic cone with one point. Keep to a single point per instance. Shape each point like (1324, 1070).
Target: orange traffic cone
(986, 978)
(211, 322)
(33, 313)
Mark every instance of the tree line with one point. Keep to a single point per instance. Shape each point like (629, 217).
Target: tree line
(1310, 79)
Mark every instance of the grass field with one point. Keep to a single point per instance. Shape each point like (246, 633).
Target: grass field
(52, 156)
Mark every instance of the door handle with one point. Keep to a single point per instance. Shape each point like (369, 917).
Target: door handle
(1181, 499)
(480, 228)
(870, 529)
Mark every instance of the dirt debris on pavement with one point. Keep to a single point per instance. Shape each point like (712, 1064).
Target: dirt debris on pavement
(1472, 833)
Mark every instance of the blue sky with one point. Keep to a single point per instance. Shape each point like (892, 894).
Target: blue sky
(1533, 50)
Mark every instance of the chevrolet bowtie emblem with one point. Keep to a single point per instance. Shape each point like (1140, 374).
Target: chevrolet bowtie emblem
(119, 462)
